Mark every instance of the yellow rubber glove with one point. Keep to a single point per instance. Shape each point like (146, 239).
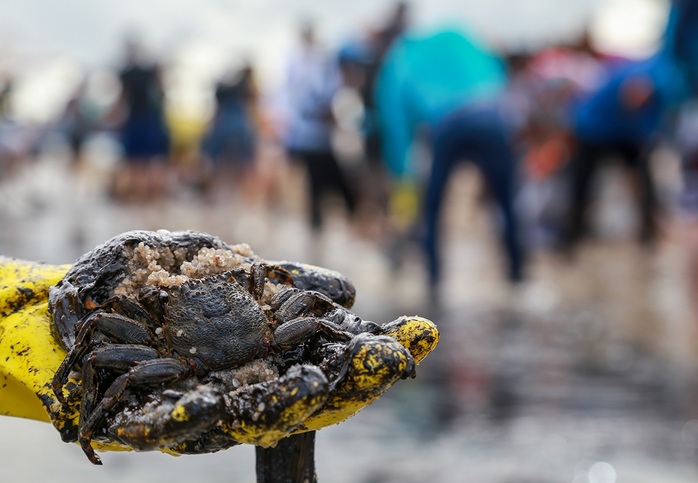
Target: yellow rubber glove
(404, 203)
(31, 355)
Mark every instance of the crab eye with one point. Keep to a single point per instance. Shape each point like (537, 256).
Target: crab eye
(163, 296)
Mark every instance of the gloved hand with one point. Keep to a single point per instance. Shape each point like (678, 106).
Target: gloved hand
(300, 400)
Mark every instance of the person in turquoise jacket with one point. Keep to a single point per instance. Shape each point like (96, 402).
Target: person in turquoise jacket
(449, 85)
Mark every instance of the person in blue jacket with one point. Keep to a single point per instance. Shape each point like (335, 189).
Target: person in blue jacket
(621, 117)
(629, 113)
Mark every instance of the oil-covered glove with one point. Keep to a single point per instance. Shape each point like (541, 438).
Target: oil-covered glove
(335, 379)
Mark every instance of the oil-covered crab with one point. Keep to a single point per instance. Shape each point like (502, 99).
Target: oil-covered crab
(160, 344)
(167, 335)
(144, 258)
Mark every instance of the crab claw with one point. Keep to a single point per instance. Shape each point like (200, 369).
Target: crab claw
(203, 420)
(170, 421)
(264, 413)
(374, 363)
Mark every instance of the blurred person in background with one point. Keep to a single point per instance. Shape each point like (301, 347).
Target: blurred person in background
(543, 86)
(624, 116)
(7, 159)
(144, 134)
(450, 85)
(373, 50)
(681, 51)
(5, 94)
(621, 118)
(230, 141)
(312, 80)
(19, 140)
(77, 122)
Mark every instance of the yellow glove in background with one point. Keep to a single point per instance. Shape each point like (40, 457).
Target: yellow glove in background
(404, 203)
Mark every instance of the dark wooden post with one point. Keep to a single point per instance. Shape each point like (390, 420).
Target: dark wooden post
(292, 460)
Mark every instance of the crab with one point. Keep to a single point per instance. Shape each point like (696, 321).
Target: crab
(98, 275)
(159, 367)
(166, 335)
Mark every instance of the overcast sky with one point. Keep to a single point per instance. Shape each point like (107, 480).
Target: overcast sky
(44, 41)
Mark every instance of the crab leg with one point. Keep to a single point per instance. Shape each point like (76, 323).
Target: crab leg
(117, 327)
(147, 373)
(116, 358)
(140, 310)
(291, 303)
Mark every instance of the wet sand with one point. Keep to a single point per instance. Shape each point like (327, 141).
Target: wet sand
(584, 374)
